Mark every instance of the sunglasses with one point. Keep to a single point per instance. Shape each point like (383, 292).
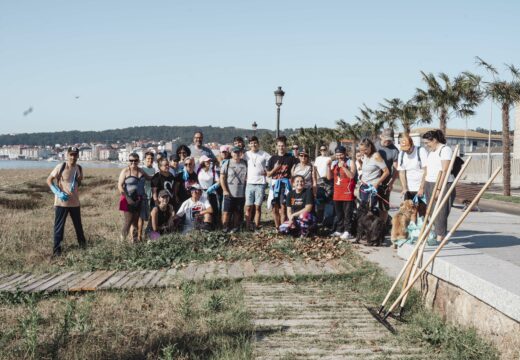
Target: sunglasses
(303, 155)
(187, 164)
(182, 152)
(323, 149)
(133, 161)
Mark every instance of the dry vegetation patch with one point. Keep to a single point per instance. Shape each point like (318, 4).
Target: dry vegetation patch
(203, 321)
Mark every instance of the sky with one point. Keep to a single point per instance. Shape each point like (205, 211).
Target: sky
(95, 65)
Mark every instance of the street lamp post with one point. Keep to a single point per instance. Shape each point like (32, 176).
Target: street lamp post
(254, 126)
(278, 94)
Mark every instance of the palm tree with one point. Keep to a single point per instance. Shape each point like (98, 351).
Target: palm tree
(506, 94)
(353, 132)
(312, 138)
(371, 123)
(408, 113)
(444, 96)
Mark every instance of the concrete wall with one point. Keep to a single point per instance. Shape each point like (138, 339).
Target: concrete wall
(461, 308)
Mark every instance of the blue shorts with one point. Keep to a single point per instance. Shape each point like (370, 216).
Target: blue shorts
(255, 194)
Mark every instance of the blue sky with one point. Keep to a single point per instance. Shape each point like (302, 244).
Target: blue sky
(218, 62)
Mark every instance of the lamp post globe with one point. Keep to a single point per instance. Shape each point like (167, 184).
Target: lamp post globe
(254, 125)
(278, 94)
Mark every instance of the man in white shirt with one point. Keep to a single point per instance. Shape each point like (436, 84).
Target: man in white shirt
(197, 209)
(256, 181)
(411, 163)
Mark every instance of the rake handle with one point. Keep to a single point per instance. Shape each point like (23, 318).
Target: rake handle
(443, 242)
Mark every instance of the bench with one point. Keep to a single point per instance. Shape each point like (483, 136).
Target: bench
(465, 193)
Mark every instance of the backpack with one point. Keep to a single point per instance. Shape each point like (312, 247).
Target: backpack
(418, 157)
(457, 165)
(62, 169)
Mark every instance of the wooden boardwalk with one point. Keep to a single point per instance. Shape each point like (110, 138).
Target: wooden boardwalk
(104, 280)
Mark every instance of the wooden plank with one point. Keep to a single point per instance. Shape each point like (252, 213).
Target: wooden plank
(200, 271)
(188, 273)
(134, 280)
(209, 270)
(35, 284)
(64, 284)
(12, 279)
(124, 279)
(114, 279)
(54, 281)
(170, 279)
(77, 286)
(93, 284)
(287, 268)
(22, 282)
(235, 270)
(146, 279)
(220, 270)
(4, 276)
(249, 269)
(76, 280)
(160, 274)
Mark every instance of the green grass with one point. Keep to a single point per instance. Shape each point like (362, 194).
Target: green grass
(498, 197)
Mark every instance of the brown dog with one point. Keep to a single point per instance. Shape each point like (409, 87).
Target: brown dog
(401, 220)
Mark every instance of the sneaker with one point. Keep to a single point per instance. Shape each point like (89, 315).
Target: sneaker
(345, 236)
(336, 234)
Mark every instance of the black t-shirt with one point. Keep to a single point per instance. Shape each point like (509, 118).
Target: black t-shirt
(167, 183)
(286, 161)
(184, 192)
(298, 201)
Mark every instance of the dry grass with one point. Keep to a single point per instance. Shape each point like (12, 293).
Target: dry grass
(27, 229)
(196, 322)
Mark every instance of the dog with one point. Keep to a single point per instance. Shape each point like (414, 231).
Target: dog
(407, 213)
(370, 227)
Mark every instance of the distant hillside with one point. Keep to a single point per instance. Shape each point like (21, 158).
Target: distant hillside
(167, 133)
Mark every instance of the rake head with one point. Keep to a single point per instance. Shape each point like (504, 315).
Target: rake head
(381, 319)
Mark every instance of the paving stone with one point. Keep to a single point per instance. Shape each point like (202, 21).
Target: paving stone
(235, 270)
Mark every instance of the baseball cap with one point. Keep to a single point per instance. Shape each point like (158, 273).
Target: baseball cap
(341, 149)
(387, 134)
(405, 143)
(304, 151)
(224, 148)
(204, 158)
(163, 193)
(73, 149)
(236, 149)
(195, 187)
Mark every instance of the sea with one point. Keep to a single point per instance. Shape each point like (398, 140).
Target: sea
(43, 164)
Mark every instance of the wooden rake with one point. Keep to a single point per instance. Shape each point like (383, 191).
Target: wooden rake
(441, 245)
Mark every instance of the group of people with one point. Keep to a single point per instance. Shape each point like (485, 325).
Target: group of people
(197, 189)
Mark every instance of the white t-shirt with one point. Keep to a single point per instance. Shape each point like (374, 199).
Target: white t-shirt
(256, 166)
(191, 209)
(434, 165)
(410, 164)
(207, 178)
(321, 164)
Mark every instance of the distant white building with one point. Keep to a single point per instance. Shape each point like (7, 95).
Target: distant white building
(107, 154)
(85, 154)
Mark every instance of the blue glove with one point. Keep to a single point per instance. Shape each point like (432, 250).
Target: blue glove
(185, 174)
(416, 199)
(60, 194)
(371, 189)
(212, 188)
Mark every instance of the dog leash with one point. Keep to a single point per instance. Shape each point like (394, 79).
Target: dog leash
(372, 190)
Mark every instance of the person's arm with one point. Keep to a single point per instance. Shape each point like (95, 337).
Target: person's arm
(155, 219)
(289, 214)
(386, 172)
(344, 168)
(50, 179)
(121, 182)
(276, 167)
(329, 172)
(223, 183)
(395, 175)
(404, 183)
(420, 192)
(208, 210)
(314, 180)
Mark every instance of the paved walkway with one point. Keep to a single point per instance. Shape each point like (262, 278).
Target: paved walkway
(104, 280)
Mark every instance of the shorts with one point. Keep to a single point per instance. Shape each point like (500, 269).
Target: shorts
(233, 204)
(255, 194)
